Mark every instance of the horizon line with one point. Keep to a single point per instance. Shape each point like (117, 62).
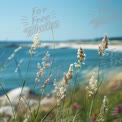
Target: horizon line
(111, 38)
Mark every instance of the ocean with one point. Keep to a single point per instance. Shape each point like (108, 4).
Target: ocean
(13, 72)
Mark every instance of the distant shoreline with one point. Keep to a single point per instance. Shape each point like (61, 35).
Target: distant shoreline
(85, 45)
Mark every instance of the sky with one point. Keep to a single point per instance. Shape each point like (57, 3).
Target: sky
(60, 19)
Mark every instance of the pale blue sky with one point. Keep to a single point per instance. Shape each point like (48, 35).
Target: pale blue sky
(78, 19)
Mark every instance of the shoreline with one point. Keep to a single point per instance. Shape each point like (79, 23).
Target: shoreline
(77, 45)
(73, 45)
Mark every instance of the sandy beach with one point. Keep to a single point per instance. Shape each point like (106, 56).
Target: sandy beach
(76, 45)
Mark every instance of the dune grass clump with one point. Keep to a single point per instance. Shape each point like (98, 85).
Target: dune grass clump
(82, 103)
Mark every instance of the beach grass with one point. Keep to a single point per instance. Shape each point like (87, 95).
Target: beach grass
(96, 100)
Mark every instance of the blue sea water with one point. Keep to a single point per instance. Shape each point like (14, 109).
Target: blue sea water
(12, 75)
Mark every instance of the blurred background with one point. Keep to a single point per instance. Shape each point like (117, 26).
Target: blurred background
(64, 26)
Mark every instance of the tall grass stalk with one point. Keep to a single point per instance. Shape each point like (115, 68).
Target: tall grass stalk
(74, 85)
(53, 37)
(14, 115)
(99, 84)
(42, 90)
(24, 81)
(42, 120)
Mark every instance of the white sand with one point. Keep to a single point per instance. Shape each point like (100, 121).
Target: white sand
(77, 45)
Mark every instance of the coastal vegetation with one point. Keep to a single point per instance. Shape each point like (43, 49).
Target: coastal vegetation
(95, 99)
